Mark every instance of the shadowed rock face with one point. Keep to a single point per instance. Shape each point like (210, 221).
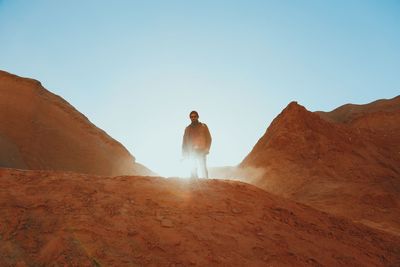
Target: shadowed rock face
(346, 162)
(40, 130)
(58, 218)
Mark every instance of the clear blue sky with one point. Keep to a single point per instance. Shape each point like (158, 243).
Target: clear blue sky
(136, 68)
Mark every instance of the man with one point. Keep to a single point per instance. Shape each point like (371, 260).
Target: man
(196, 145)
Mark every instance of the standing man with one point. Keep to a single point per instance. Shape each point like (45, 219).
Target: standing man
(196, 145)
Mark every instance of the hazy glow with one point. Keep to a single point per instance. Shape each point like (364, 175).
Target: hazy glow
(137, 68)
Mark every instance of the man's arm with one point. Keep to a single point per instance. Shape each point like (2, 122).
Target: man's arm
(208, 139)
(185, 144)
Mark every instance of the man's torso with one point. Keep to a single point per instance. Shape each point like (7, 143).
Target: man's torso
(197, 136)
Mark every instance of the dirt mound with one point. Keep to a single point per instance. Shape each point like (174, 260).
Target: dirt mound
(346, 162)
(40, 130)
(56, 218)
(350, 112)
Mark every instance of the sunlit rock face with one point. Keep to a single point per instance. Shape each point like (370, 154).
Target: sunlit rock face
(346, 161)
(40, 130)
(66, 219)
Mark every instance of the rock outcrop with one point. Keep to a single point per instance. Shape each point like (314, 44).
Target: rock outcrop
(39, 130)
(68, 219)
(346, 162)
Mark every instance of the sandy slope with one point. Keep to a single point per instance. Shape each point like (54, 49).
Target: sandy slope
(346, 162)
(80, 220)
(40, 130)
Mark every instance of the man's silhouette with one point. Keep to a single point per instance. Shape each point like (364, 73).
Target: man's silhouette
(196, 145)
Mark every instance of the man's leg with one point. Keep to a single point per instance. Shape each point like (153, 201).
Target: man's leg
(203, 165)
(193, 167)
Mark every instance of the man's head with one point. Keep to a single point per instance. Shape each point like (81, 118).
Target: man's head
(194, 116)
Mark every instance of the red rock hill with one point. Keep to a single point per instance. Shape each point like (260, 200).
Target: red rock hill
(346, 162)
(68, 219)
(40, 130)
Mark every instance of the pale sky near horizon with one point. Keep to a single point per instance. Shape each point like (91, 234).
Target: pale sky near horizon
(137, 68)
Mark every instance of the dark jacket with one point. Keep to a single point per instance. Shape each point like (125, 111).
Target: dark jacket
(197, 139)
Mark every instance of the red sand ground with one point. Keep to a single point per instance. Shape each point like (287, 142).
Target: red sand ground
(59, 218)
(40, 130)
(346, 162)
